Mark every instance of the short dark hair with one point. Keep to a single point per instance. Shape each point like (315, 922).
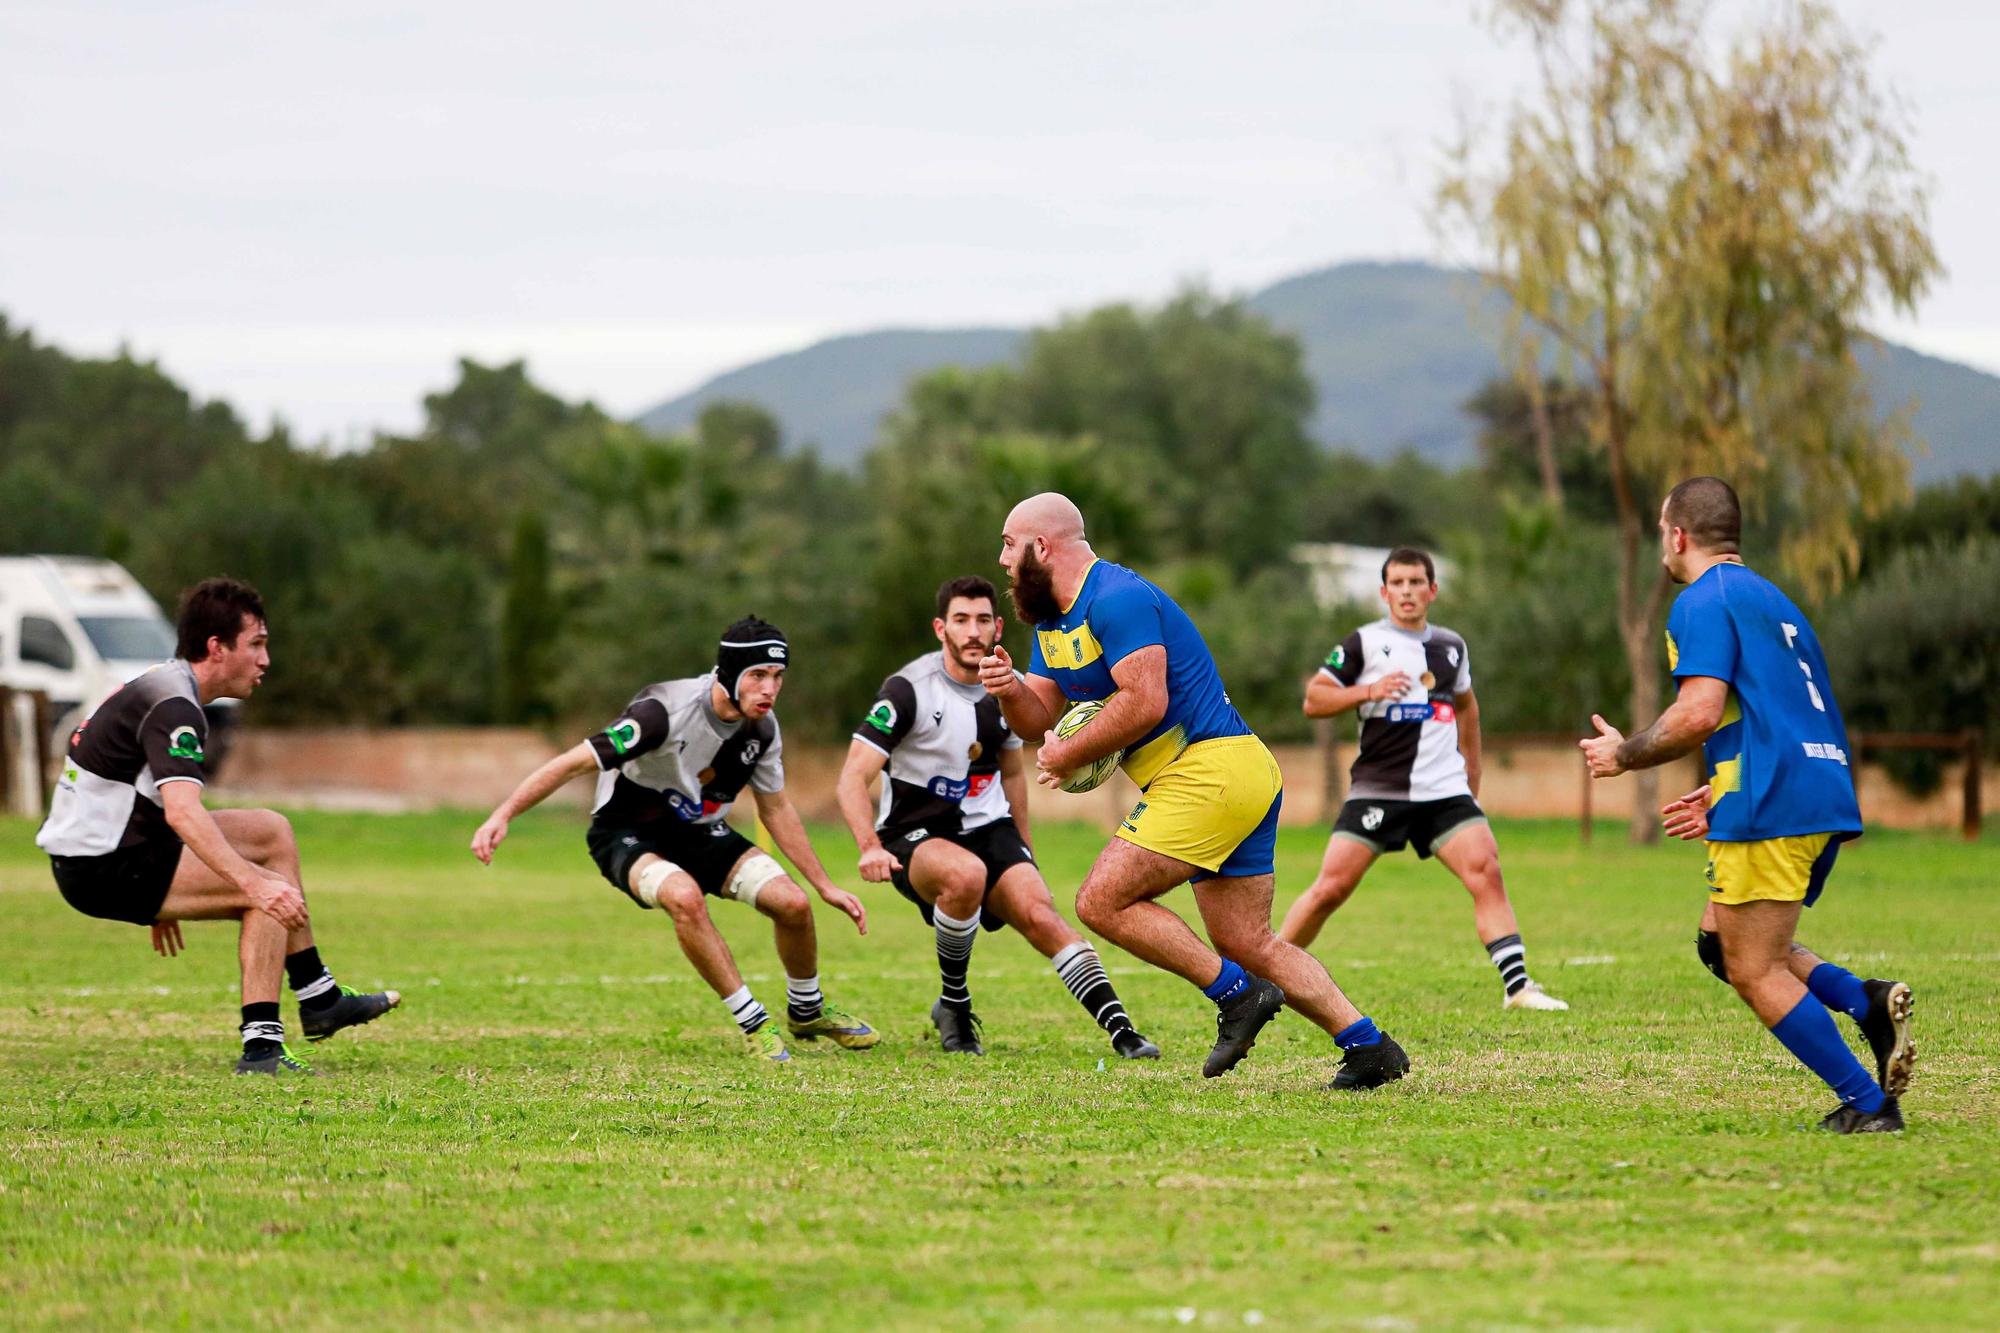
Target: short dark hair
(214, 609)
(1706, 509)
(1409, 555)
(965, 585)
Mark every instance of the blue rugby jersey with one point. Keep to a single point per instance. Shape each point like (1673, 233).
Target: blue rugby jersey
(1778, 764)
(1116, 613)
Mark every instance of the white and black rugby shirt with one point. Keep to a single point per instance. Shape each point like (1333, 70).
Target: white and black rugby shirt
(150, 733)
(943, 739)
(1409, 745)
(668, 756)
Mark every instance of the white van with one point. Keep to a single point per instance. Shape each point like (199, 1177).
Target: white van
(76, 628)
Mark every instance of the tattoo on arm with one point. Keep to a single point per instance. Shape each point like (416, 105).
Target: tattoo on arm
(1656, 744)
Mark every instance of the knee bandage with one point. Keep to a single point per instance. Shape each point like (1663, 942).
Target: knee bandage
(1708, 945)
(651, 879)
(751, 874)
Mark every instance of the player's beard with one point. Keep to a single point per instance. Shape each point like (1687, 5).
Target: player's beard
(1033, 588)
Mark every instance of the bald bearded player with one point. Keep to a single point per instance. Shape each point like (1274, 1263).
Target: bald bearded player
(1210, 791)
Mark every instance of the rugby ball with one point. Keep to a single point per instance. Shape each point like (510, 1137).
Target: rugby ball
(1096, 773)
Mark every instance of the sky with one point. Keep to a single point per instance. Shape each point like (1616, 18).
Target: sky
(311, 211)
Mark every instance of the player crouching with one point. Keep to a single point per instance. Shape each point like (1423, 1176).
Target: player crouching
(668, 771)
(952, 834)
(129, 839)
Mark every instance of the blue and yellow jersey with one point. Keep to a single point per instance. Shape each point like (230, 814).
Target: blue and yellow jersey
(1116, 613)
(1778, 764)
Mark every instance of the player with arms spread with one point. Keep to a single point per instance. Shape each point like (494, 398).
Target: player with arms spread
(951, 833)
(1416, 778)
(1754, 694)
(1211, 791)
(129, 839)
(668, 771)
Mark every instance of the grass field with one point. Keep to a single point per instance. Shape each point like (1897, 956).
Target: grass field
(556, 1130)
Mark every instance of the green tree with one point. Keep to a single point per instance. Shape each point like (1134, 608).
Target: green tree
(1701, 239)
(527, 625)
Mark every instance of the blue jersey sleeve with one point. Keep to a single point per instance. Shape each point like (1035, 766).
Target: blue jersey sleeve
(1701, 638)
(1126, 620)
(1037, 664)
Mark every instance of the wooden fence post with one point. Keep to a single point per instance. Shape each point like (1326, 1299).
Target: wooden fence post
(1972, 812)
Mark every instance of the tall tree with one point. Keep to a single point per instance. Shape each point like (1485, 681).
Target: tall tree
(1702, 237)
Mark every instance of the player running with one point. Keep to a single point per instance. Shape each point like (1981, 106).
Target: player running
(1210, 790)
(1416, 778)
(668, 771)
(1755, 695)
(129, 839)
(952, 830)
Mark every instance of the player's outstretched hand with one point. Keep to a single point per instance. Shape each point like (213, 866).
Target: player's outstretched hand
(996, 671)
(1687, 818)
(167, 939)
(877, 864)
(488, 838)
(849, 904)
(1600, 752)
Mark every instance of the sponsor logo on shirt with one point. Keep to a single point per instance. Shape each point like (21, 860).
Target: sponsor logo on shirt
(882, 716)
(980, 785)
(949, 789)
(1412, 712)
(1826, 750)
(685, 808)
(182, 743)
(1337, 658)
(623, 734)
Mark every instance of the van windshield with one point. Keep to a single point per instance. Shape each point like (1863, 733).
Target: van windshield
(129, 638)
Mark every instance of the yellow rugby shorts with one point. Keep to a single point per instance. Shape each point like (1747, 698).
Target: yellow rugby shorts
(1785, 870)
(1216, 807)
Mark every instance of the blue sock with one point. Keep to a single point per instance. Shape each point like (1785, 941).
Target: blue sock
(1361, 1032)
(1838, 988)
(1232, 982)
(1808, 1033)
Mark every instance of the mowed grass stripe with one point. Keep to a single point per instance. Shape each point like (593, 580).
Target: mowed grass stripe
(555, 1130)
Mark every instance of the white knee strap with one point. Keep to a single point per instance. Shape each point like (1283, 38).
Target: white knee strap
(652, 878)
(752, 873)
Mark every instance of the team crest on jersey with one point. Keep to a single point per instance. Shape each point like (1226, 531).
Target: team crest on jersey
(1371, 818)
(882, 716)
(1451, 656)
(706, 776)
(182, 743)
(623, 734)
(1430, 681)
(1337, 658)
(976, 750)
(751, 751)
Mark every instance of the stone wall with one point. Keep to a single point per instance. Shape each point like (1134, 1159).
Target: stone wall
(474, 768)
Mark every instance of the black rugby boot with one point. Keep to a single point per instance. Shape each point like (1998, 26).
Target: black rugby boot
(1887, 1028)
(958, 1029)
(1238, 1023)
(1847, 1120)
(351, 1009)
(1131, 1046)
(1364, 1067)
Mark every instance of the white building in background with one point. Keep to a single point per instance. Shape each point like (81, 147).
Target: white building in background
(1345, 575)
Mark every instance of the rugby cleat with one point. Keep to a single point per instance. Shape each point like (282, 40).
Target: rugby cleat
(1238, 1023)
(352, 1009)
(1847, 1120)
(843, 1028)
(1887, 1029)
(281, 1061)
(765, 1045)
(958, 1029)
(1532, 996)
(1131, 1046)
(1364, 1067)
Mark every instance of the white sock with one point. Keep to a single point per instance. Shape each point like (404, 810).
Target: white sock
(743, 1007)
(802, 997)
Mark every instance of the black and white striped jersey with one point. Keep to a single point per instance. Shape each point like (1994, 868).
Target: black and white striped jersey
(943, 739)
(669, 756)
(150, 733)
(1409, 745)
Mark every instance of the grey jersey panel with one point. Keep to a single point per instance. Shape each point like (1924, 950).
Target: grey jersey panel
(1409, 744)
(944, 739)
(152, 732)
(686, 763)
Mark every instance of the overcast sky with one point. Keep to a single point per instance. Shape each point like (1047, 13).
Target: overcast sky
(312, 210)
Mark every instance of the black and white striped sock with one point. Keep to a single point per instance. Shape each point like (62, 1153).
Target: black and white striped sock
(312, 982)
(803, 1000)
(1511, 957)
(954, 951)
(1081, 971)
(263, 1031)
(744, 1008)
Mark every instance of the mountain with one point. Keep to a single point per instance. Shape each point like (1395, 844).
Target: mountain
(1394, 349)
